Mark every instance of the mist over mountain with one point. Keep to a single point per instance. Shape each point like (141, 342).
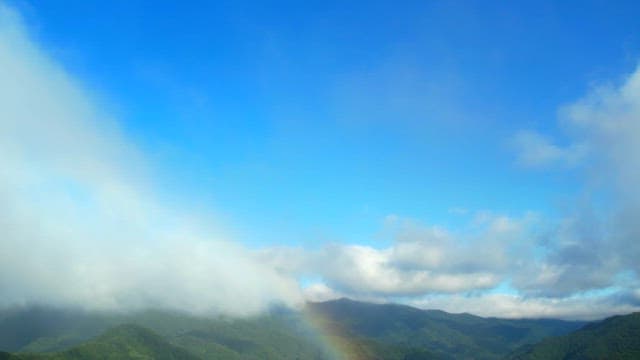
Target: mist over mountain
(81, 223)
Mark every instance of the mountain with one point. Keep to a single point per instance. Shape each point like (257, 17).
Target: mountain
(278, 335)
(361, 331)
(448, 336)
(616, 337)
(122, 342)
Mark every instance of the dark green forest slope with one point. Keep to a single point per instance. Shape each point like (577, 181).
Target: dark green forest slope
(451, 336)
(122, 342)
(617, 337)
(361, 330)
(279, 335)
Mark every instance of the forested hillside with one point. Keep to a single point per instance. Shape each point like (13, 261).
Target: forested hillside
(617, 337)
(340, 328)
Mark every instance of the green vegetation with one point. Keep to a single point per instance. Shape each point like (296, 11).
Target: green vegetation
(121, 342)
(361, 330)
(617, 337)
(279, 335)
(447, 336)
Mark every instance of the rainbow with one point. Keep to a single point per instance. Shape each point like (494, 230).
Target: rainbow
(333, 338)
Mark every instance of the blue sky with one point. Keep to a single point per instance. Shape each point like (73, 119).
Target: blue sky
(301, 124)
(305, 121)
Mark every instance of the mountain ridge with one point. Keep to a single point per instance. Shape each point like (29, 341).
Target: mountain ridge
(616, 337)
(364, 329)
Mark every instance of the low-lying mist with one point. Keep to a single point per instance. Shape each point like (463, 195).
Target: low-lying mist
(80, 225)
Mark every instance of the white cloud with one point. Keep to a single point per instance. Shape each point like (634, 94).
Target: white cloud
(556, 266)
(421, 260)
(596, 242)
(363, 270)
(515, 306)
(536, 150)
(80, 224)
(318, 292)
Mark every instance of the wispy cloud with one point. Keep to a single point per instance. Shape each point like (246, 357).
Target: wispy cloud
(538, 151)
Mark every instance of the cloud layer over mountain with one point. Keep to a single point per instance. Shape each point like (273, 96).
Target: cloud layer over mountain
(79, 223)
